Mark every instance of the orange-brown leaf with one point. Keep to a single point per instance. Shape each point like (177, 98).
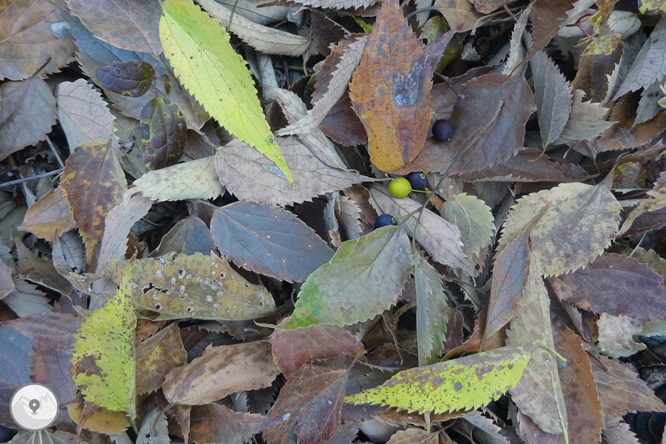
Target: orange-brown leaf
(390, 90)
(49, 214)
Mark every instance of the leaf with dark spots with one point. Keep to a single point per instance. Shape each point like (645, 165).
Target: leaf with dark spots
(163, 133)
(610, 285)
(156, 357)
(268, 240)
(131, 78)
(217, 423)
(221, 371)
(311, 401)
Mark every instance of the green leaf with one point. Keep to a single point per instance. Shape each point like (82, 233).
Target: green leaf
(364, 278)
(458, 384)
(199, 50)
(105, 341)
(473, 218)
(432, 312)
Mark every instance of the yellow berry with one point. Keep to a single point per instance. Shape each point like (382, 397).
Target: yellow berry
(400, 187)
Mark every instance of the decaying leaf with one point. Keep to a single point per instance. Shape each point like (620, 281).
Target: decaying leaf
(268, 240)
(474, 220)
(221, 371)
(194, 287)
(93, 182)
(390, 90)
(364, 278)
(616, 336)
(156, 357)
(49, 215)
(132, 78)
(195, 44)
(575, 229)
(217, 423)
(104, 355)
(655, 200)
(163, 133)
(26, 115)
(464, 383)
(585, 121)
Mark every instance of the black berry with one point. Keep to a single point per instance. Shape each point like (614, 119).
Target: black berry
(442, 130)
(384, 220)
(417, 180)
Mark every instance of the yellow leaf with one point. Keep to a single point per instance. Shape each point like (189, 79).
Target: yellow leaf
(198, 48)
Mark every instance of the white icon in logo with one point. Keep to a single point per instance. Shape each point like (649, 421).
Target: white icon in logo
(33, 407)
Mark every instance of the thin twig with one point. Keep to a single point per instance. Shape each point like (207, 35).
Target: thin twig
(26, 179)
(55, 152)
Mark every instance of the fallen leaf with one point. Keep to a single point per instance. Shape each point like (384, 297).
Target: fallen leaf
(221, 371)
(154, 428)
(217, 423)
(122, 23)
(207, 288)
(40, 271)
(390, 90)
(553, 97)
(163, 133)
(194, 43)
(616, 432)
(460, 14)
(49, 215)
(364, 278)
(104, 356)
(609, 285)
(474, 219)
(132, 78)
(440, 238)
(188, 236)
(98, 420)
(595, 73)
(585, 121)
(464, 383)
(310, 404)
(262, 38)
(414, 436)
(15, 369)
(27, 114)
(268, 240)
(342, 125)
(250, 175)
(156, 357)
(196, 179)
(655, 200)
(294, 348)
(575, 229)
(326, 32)
(616, 335)
(27, 40)
(548, 17)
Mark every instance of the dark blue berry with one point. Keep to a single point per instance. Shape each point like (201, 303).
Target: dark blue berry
(442, 130)
(384, 220)
(417, 180)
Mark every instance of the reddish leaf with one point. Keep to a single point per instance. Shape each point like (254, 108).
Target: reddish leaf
(268, 240)
(132, 78)
(216, 423)
(610, 285)
(295, 348)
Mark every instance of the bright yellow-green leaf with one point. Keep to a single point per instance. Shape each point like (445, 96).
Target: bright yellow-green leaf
(106, 340)
(198, 48)
(458, 384)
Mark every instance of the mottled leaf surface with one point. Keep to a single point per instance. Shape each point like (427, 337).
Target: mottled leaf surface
(132, 78)
(268, 240)
(655, 200)
(217, 423)
(163, 133)
(157, 356)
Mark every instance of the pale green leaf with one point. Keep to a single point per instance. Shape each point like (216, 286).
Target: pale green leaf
(364, 278)
(106, 338)
(198, 48)
(458, 384)
(473, 218)
(432, 312)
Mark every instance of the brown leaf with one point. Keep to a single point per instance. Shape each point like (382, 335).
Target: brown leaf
(414, 436)
(122, 23)
(163, 133)
(390, 90)
(460, 14)
(132, 78)
(594, 72)
(621, 137)
(221, 371)
(311, 403)
(27, 39)
(295, 348)
(655, 200)
(547, 17)
(342, 125)
(621, 390)
(488, 6)
(617, 432)
(93, 182)
(188, 236)
(156, 357)
(40, 271)
(610, 285)
(27, 114)
(49, 215)
(98, 420)
(118, 224)
(250, 175)
(268, 240)
(616, 335)
(326, 32)
(553, 97)
(585, 122)
(83, 114)
(217, 423)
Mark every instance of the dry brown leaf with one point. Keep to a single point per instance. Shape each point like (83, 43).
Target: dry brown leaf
(250, 175)
(616, 335)
(441, 239)
(460, 14)
(488, 6)
(585, 122)
(49, 215)
(221, 371)
(623, 137)
(616, 432)
(83, 114)
(26, 115)
(156, 357)
(595, 72)
(217, 423)
(326, 32)
(547, 17)
(93, 182)
(262, 38)
(414, 436)
(553, 97)
(390, 90)
(655, 200)
(27, 40)
(342, 125)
